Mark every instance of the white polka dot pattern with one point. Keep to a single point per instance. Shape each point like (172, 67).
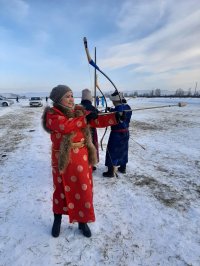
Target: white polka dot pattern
(77, 196)
(58, 135)
(56, 201)
(81, 214)
(73, 178)
(62, 196)
(84, 187)
(87, 205)
(67, 188)
(79, 124)
(59, 179)
(76, 150)
(54, 170)
(71, 206)
(80, 168)
(111, 122)
(62, 127)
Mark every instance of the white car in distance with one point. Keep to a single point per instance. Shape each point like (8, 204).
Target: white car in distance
(35, 101)
(5, 102)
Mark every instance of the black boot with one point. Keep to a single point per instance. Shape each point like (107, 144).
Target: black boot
(56, 225)
(109, 173)
(85, 229)
(122, 169)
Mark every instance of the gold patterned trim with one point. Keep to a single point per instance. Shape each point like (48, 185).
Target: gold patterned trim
(79, 145)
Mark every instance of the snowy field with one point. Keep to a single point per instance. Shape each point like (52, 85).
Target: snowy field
(149, 216)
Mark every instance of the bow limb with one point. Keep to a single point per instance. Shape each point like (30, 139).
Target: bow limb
(106, 110)
(97, 85)
(92, 63)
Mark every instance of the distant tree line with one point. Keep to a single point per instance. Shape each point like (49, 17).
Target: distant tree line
(157, 93)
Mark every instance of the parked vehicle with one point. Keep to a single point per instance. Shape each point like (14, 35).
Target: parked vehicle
(35, 101)
(5, 102)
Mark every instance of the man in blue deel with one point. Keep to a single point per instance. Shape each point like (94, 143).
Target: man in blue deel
(117, 148)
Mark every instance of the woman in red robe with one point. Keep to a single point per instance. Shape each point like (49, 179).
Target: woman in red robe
(73, 155)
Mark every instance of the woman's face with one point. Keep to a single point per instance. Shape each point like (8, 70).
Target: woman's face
(68, 100)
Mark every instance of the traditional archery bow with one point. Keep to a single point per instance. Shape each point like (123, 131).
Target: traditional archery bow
(92, 63)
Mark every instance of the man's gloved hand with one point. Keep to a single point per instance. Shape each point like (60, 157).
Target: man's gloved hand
(120, 116)
(108, 109)
(91, 116)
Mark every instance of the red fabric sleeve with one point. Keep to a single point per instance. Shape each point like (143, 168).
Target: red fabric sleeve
(106, 120)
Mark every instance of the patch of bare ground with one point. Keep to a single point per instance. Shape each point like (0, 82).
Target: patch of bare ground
(163, 124)
(13, 128)
(117, 244)
(144, 126)
(164, 193)
(190, 188)
(197, 164)
(173, 123)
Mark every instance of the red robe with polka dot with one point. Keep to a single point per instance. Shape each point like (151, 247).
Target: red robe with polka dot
(73, 189)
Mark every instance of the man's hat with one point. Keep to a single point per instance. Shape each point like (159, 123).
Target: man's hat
(116, 97)
(86, 95)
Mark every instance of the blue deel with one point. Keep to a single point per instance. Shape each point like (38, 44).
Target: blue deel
(117, 148)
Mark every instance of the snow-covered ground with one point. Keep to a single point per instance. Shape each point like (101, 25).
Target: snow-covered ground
(149, 216)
